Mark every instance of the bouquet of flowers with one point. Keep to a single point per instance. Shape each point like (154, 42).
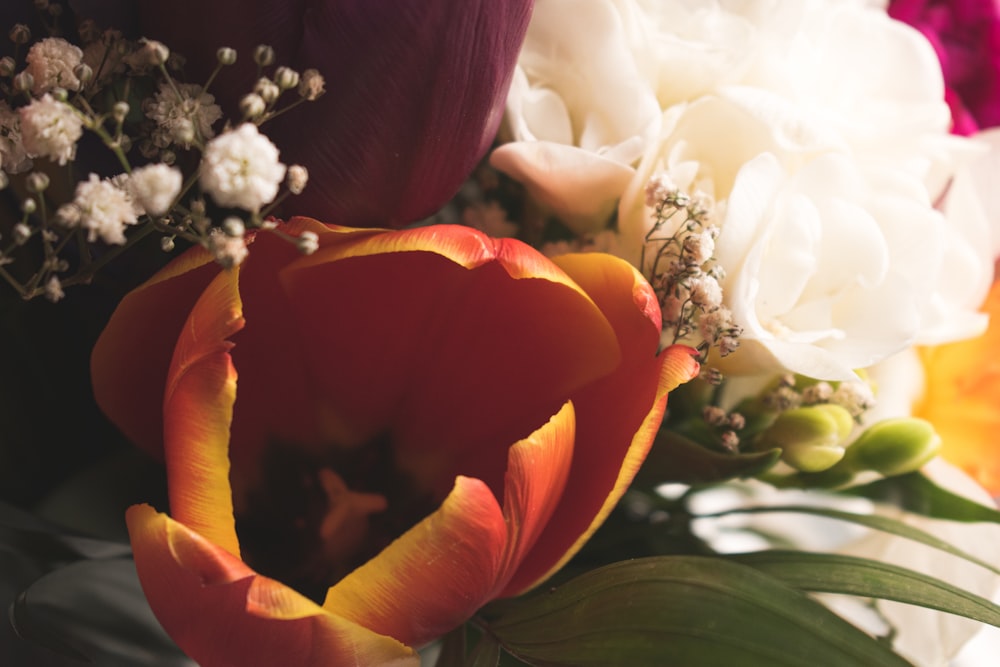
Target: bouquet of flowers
(552, 332)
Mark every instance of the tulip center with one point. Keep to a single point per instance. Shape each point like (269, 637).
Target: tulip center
(315, 517)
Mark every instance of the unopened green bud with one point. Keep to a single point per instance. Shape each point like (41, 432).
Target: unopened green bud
(894, 446)
(811, 438)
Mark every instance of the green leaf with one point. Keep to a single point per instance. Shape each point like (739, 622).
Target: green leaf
(485, 654)
(675, 458)
(850, 575)
(681, 610)
(95, 610)
(452, 649)
(874, 521)
(916, 493)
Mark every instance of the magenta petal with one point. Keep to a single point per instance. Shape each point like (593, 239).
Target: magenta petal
(416, 91)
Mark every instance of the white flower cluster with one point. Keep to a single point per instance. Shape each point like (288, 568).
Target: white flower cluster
(102, 207)
(241, 168)
(184, 114)
(50, 128)
(52, 63)
(817, 130)
(682, 269)
(70, 90)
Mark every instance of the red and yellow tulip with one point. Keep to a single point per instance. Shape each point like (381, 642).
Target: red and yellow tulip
(458, 414)
(962, 399)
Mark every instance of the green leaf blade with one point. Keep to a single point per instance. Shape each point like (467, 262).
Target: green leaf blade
(873, 521)
(850, 575)
(918, 494)
(683, 610)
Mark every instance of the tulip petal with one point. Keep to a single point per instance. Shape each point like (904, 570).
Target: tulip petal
(537, 470)
(268, 355)
(617, 418)
(464, 246)
(130, 360)
(435, 576)
(427, 344)
(220, 612)
(409, 114)
(198, 410)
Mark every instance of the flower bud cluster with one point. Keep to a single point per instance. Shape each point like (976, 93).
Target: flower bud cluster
(683, 271)
(791, 391)
(198, 169)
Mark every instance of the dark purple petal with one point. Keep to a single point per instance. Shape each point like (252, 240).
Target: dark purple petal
(416, 91)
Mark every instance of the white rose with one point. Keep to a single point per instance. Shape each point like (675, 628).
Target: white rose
(581, 107)
(832, 269)
(836, 75)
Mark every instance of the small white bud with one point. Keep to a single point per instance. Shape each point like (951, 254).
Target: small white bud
(83, 72)
(308, 242)
(297, 178)
(119, 111)
(37, 182)
(226, 55)
(21, 233)
(267, 89)
(53, 290)
(263, 55)
(20, 33)
(156, 52)
(24, 82)
(286, 78)
(234, 227)
(252, 106)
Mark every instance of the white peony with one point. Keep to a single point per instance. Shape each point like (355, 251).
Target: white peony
(580, 109)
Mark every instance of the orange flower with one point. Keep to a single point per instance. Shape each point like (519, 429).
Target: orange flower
(412, 423)
(962, 399)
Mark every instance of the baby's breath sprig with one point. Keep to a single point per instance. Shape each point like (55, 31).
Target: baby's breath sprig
(182, 177)
(792, 391)
(683, 271)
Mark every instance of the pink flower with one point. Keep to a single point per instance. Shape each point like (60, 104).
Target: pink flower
(966, 36)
